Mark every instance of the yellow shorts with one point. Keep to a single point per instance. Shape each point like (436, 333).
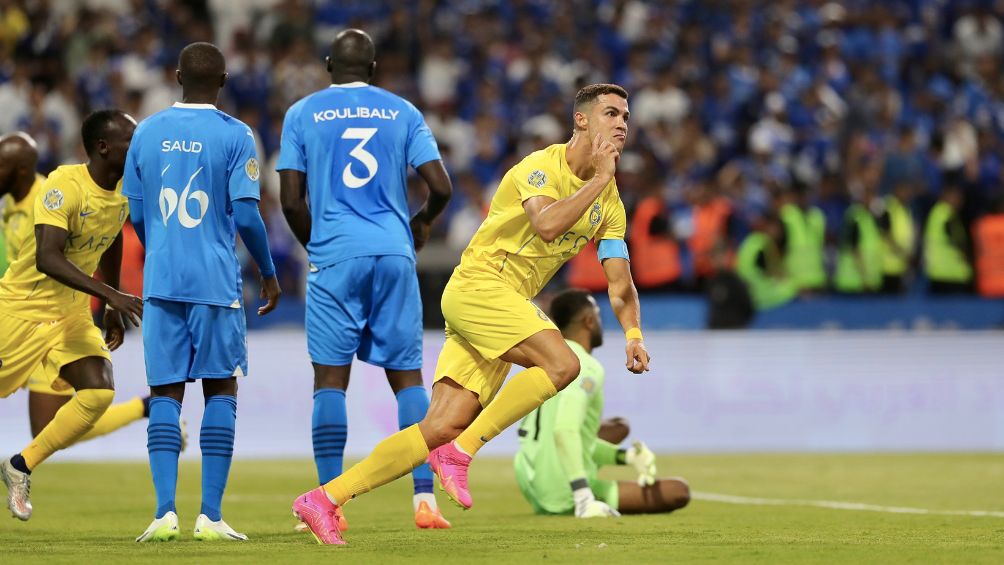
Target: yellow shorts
(34, 352)
(481, 325)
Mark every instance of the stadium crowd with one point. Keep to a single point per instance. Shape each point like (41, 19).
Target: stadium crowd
(807, 145)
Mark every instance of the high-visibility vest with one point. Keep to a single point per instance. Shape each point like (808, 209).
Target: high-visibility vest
(859, 269)
(988, 235)
(709, 235)
(806, 233)
(767, 287)
(902, 233)
(585, 270)
(655, 259)
(944, 261)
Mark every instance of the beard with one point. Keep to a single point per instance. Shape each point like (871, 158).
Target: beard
(596, 337)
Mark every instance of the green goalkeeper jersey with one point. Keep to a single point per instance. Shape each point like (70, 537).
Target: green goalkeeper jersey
(558, 440)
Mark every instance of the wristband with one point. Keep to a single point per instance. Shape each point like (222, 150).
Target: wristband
(633, 333)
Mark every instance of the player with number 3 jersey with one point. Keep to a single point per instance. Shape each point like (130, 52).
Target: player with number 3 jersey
(346, 151)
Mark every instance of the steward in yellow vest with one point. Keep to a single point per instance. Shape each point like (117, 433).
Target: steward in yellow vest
(946, 246)
(805, 232)
(760, 264)
(896, 228)
(859, 258)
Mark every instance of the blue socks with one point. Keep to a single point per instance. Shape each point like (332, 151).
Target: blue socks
(164, 444)
(219, 422)
(330, 424)
(330, 428)
(412, 403)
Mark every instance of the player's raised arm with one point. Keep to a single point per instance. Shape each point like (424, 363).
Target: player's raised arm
(50, 261)
(550, 218)
(440, 189)
(627, 308)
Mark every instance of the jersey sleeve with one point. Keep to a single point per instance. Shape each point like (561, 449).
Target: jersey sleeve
(614, 223)
(132, 184)
(533, 177)
(57, 203)
(244, 167)
(421, 147)
(292, 153)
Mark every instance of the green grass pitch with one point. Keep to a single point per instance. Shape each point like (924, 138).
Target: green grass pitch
(90, 513)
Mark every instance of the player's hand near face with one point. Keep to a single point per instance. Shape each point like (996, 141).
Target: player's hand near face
(270, 291)
(604, 157)
(637, 356)
(114, 329)
(130, 306)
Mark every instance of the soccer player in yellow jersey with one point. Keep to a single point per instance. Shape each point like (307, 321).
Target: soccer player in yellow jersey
(19, 187)
(546, 209)
(45, 296)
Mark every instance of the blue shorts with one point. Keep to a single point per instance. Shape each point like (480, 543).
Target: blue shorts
(183, 341)
(369, 307)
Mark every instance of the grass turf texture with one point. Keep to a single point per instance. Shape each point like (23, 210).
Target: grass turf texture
(92, 512)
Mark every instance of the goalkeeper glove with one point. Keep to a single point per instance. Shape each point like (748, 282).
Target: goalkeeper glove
(586, 505)
(642, 459)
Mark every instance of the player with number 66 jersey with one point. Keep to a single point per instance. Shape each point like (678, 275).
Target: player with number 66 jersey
(346, 150)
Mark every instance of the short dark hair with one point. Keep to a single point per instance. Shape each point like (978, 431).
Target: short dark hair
(201, 65)
(588, 94)
(96, 126)
(567, 305)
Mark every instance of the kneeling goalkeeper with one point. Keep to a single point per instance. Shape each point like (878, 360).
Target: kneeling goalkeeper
(564, 442)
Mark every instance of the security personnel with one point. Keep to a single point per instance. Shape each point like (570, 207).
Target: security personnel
(988, 236)
(805, 232)
(896, 228)
(760, 263)
(655, 255)
(859, 255)
(946, 244)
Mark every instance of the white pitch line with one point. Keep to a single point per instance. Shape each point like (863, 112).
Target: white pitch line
(836, 505)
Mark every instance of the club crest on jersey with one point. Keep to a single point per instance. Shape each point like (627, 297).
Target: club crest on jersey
(537, 178)
(122, 213)
(251, 168)
(595, 215)
(53, 199)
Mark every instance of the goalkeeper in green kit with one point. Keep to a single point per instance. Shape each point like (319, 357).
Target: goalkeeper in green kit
(564, 442)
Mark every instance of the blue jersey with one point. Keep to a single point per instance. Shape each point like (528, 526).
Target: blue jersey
(355, 142)
(187, 164)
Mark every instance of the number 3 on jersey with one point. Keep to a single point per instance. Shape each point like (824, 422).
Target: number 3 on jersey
(365, 157)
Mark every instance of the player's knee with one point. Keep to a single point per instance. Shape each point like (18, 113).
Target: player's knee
(439, 431)
(95, 400)
(564, 371)
(678, 495)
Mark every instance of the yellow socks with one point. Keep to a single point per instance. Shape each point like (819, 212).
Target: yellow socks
(117, 416)
(70, 423)
(392, 458)
(524, 392)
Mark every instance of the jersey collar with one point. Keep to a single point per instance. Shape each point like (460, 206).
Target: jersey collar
(194, 106)
(354, 84)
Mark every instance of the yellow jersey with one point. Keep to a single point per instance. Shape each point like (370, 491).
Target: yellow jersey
(16, 219)
(93, 218)
(507, 250)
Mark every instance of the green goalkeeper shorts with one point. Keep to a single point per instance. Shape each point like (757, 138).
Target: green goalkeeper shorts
(548, 491)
